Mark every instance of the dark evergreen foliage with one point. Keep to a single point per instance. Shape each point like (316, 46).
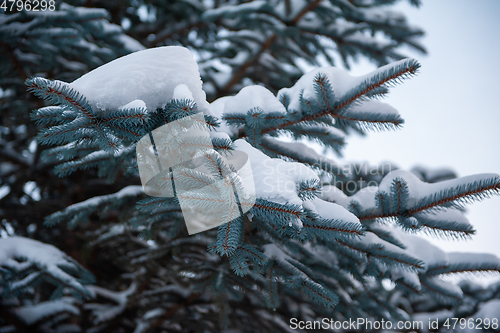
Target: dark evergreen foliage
(122, 261)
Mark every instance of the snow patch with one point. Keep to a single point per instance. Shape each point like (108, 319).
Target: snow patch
(252, 97)
(149, 75)
(32, 314)
(135, 104)
(275, 179)
(329, 210)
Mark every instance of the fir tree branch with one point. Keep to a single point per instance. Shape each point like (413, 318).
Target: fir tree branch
(90, 205)
(427, 284)
(243, 68)
(265, 46)
(334, 111)
(13, 156)
(180, 29)
(331, 228)
(376, 252)
(282, 151)
(311, 6)
(14, 61)
(342, 42)
(408, 286)
(426, 204)
(57, 92)
(493, 187)
(460, 263)
(173, 310)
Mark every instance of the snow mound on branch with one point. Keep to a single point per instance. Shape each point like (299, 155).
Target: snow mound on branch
(416, 247)
(218, 110)
(182, 92)
(135, 104)
(106, 312)
(333, 194)
(149, 75)
(248, 98)
(342, 84)
(233, 10)
(341, 81)
(365, 197)
(251, 97)
(18, 253)
(422, 249)
(275, 179)
(35, 251)
(373, 106)
(330, 210)
(32, 314)
(418, 189)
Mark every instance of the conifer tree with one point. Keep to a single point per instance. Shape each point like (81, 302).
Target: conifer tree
(85, 249)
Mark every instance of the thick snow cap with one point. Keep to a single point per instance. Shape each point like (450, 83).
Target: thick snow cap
(149, 75)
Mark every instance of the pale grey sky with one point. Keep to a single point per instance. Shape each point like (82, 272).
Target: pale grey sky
(450, 108)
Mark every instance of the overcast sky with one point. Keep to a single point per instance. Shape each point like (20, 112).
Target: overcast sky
(450, 108)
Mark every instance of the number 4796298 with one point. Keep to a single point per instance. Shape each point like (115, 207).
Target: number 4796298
(27, 5)
(471, 323)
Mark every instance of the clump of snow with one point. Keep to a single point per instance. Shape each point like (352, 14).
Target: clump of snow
(275, 179)
(380, 15)
(114, 231)
(373, 106)
(251, 97)
(341, 81)
(144, 323)
(329, 210)
(484, 258)
(332, 131)
(14, 250)
(150, 75)
(305, 151)
(422, 249)
(221, 78)
(182, 92)
(135, 104)
(219, 135)
(488, 312)
(128, 42)
(333, 194)
(128, 191)
(450, 214)
(106, 312)
(248, 98)
(419, 189)
(416, 247)
(32, 314)
(218, 110)
(232, 10)
(365, 197)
